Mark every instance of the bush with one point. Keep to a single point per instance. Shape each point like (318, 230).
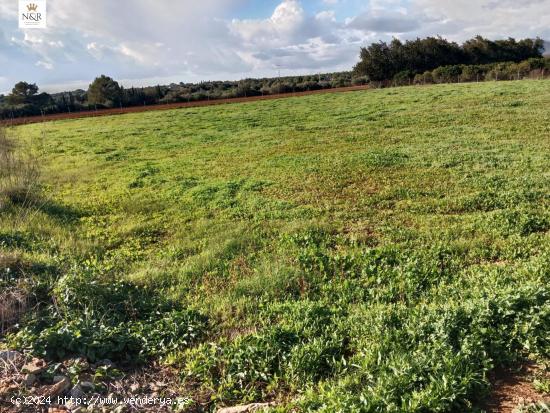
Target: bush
(19, 174)
(359, 80)
(403, 78)
(428, 78)
(499, 71)
(472, 73)
(447, 74)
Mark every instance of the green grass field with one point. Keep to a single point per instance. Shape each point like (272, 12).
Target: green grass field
(377, 251)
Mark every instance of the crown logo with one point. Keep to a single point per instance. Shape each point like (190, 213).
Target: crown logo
(32, 7)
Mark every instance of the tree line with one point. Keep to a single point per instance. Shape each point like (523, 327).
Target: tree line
(105, 92)
(382, 61)
(420, 61)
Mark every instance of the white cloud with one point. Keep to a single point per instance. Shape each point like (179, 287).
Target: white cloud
(294, 40)
(45, 65)
(326, 15)
(490, 18)
(280, 29)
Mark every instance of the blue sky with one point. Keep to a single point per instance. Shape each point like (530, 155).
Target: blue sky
(145, 42)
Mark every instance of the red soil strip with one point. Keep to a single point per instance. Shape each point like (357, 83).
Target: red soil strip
(167, 106)
(511, 389)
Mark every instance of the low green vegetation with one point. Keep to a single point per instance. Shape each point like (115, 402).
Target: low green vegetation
(376, 251)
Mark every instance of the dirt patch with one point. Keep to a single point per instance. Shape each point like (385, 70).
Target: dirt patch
(511, 389)
(75, 385)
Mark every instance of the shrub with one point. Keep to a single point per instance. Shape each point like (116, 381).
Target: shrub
(425, 78)
(447, 74)
(472, 73)
(359, 80)
(428, 77)
(499, 71)
(403, 78)
(19, 174)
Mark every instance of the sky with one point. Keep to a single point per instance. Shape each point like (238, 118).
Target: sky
(145, 42)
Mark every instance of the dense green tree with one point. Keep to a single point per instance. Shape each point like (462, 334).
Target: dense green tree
(482, 51)
(24, 100)
(376, 62)
(22, 93)
(104, 91)
(381, 61)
